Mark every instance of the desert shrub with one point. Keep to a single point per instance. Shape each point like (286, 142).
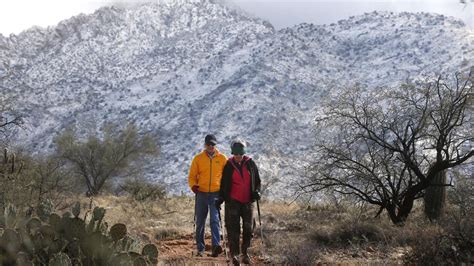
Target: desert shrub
(167, 233)
(288, 249)
(142, 190)
(450, 241)
(301, 254)
(28, 180)
(433, 246)
(461, 195)
(349, 232)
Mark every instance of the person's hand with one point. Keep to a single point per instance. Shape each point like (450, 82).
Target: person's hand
(256, 195)
(219, 202)
(195, 188)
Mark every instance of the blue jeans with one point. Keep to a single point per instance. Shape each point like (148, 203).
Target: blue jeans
(204, 202)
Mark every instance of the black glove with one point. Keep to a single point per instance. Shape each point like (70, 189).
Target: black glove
(219, 202)
(256, 195)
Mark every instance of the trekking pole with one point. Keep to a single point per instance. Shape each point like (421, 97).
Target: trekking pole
(252, 177)
(223, 236)
(194, 226)
(261, 229)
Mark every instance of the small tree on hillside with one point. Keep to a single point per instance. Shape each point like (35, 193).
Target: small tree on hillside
(10, 119)
(97, 160)
(386, 146)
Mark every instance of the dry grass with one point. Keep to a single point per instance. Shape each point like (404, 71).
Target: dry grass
(149, 221)
(300, 234)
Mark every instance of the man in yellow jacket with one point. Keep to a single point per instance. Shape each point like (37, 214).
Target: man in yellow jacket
(204, 180)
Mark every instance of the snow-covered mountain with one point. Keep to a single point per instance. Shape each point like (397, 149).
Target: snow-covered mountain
(182, 69)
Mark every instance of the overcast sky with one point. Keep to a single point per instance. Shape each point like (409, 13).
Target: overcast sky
(18, 15)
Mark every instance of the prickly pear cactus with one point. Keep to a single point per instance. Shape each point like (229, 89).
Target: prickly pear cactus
(33, 225)
(74, 228)
(44, 209)
(118, 231)
(38, 241)
(125, 243)
(60, 259)
(48, 234)
(65, 241)
(151, 252)
(23, 259)
(76, 209)
(10, 215)
(55, 222)
(56, 246)
(121, 259)
(11, 241)
(26, 238)
(91, 244)
(73, 249)
(98, 214)
(134, 255)
(139, 262)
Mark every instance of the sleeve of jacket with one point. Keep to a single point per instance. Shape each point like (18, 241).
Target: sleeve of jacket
(256, 176)
(226, 181)
(193, 172)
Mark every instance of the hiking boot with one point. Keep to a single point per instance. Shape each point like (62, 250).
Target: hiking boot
(216, 250)
(235, 261)
(246, 259)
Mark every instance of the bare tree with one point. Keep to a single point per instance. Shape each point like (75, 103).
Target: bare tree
(9, 118)
(98, 160)
(50, 179)
(386, 146)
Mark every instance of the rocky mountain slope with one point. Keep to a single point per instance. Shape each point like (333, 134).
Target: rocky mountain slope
(184, 68)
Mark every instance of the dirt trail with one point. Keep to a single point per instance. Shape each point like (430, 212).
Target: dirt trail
(182, 251)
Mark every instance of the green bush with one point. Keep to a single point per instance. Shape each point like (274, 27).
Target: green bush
(142, 190)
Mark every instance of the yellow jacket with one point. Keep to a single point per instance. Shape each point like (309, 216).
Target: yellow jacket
(206, 172)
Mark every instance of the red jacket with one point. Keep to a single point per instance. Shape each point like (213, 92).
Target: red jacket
(241, 182)
(236, 184)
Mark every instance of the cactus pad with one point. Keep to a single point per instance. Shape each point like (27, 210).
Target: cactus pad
(44, 210)
(60, 259)
(55, 221)
(74, 228)
(139, 261)
(76, 209)
(33, 225)
(118, 231)
(150, 251)
(98, 214)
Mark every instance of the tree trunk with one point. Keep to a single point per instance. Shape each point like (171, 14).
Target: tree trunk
(435, 197)
(398, 215)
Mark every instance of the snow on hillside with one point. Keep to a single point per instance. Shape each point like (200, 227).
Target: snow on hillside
(183, 70)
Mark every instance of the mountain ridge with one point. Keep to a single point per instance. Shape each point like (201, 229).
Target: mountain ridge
(229, 74)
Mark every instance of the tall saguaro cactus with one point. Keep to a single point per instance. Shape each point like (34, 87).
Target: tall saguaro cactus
(9, 163)
(5, 156)
(435, 197)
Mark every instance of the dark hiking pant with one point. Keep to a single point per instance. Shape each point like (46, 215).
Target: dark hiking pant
(235, 210)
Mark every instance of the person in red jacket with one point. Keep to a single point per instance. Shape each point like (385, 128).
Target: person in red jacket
(240, 187)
